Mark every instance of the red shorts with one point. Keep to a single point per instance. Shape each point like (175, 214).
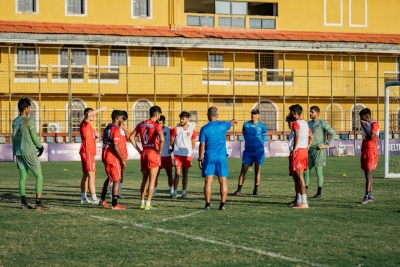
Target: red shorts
(88, 162)
(149, 159)
(369, 161)
(113, 170)
(298, 161)
(185, 162)
(166, 162)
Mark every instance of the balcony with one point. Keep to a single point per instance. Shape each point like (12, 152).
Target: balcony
(30, 73)
(392, 76)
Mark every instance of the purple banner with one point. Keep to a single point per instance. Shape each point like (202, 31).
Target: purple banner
(45, 155)
(279, 148)
(6, 153)
(394, 146)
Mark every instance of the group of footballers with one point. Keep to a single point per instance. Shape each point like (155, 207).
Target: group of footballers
(307, 143)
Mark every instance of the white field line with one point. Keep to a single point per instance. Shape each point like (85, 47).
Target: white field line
(199, 238)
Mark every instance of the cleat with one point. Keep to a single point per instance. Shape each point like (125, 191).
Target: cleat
(237, 193)
(26, 207)
(142, 206)
(95, 202)
(174, 196)
(301, 206)
(317, 196)
(85, 201)
(184, 196)
(221, 207)
(365, 200)
(149, 208)
(255, 193)
(103, 203)
(154, 194)
(120, 196)
(40, 207)
(294, 204)
(118, 207)
(371, 198)
(207, 207)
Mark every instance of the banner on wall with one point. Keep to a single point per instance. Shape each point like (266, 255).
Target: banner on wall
(70, 152)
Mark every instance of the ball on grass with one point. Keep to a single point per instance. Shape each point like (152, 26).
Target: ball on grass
(344, 174)
(65, 170)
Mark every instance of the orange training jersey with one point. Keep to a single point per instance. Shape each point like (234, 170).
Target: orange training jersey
(111, 136)
(148, 131)
(88, 136)
(370, 144)
(122, 145)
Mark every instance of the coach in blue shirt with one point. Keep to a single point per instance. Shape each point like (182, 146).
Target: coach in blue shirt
(212, 155)
(255, 134)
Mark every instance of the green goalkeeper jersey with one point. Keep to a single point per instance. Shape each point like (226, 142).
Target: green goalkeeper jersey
(25, 140)
(319, 129)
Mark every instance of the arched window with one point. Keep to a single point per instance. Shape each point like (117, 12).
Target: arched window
(26, 57)
(78, 106)
(141, 111)
(355, 121)
(268, 114)
(334, 116)
(78, 60)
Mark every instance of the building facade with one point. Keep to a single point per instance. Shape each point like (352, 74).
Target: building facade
(67, 55)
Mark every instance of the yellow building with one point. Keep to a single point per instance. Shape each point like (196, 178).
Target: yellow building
(191, 54)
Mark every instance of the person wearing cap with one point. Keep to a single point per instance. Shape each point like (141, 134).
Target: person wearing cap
(255, 135)
(183, 140)
(212, 155)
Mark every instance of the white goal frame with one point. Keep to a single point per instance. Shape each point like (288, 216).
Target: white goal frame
(386, 131)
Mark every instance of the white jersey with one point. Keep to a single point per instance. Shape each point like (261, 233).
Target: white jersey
(368, 126)
(303, 135)
(167, 138)
(183, 141)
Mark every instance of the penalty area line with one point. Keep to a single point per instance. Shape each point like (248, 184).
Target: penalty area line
(194, 237)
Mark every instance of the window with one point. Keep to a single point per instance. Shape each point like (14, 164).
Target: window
(78, 106)
(76, 7)
(216, 60)
(268, 115)
(26, 58)
(141, 111)
(27, 6)
(159, 57)
(355, 122)
(117, 56)
(193, 116)
(230, 8)
(78, 60)
(141, 8)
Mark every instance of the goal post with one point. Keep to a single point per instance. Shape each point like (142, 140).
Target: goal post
(391, 158)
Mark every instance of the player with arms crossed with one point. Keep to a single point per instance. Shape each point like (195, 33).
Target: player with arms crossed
(166, 161)
(123, 149)
(25, 147)
(300, 140)
(87, 152)
(212, 155)
(369, 151)
(152, 137)
(183, 140)
(255, 135)
(317, 151)
(113, 159)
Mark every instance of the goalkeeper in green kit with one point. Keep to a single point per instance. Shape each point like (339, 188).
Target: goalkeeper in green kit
(25, 147)
(317, 151)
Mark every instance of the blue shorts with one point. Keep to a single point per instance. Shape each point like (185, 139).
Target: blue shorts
(215, 165)
(253, 156)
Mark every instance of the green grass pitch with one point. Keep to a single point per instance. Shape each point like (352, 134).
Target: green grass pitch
(336, 230)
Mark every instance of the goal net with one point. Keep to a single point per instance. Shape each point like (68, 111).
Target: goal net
(391, 130)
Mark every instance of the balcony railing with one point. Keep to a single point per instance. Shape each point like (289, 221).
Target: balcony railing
(392, 76)
(231, 21)
(30, 72)
(242, 76)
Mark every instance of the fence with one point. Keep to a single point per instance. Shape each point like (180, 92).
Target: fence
(62, 81)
